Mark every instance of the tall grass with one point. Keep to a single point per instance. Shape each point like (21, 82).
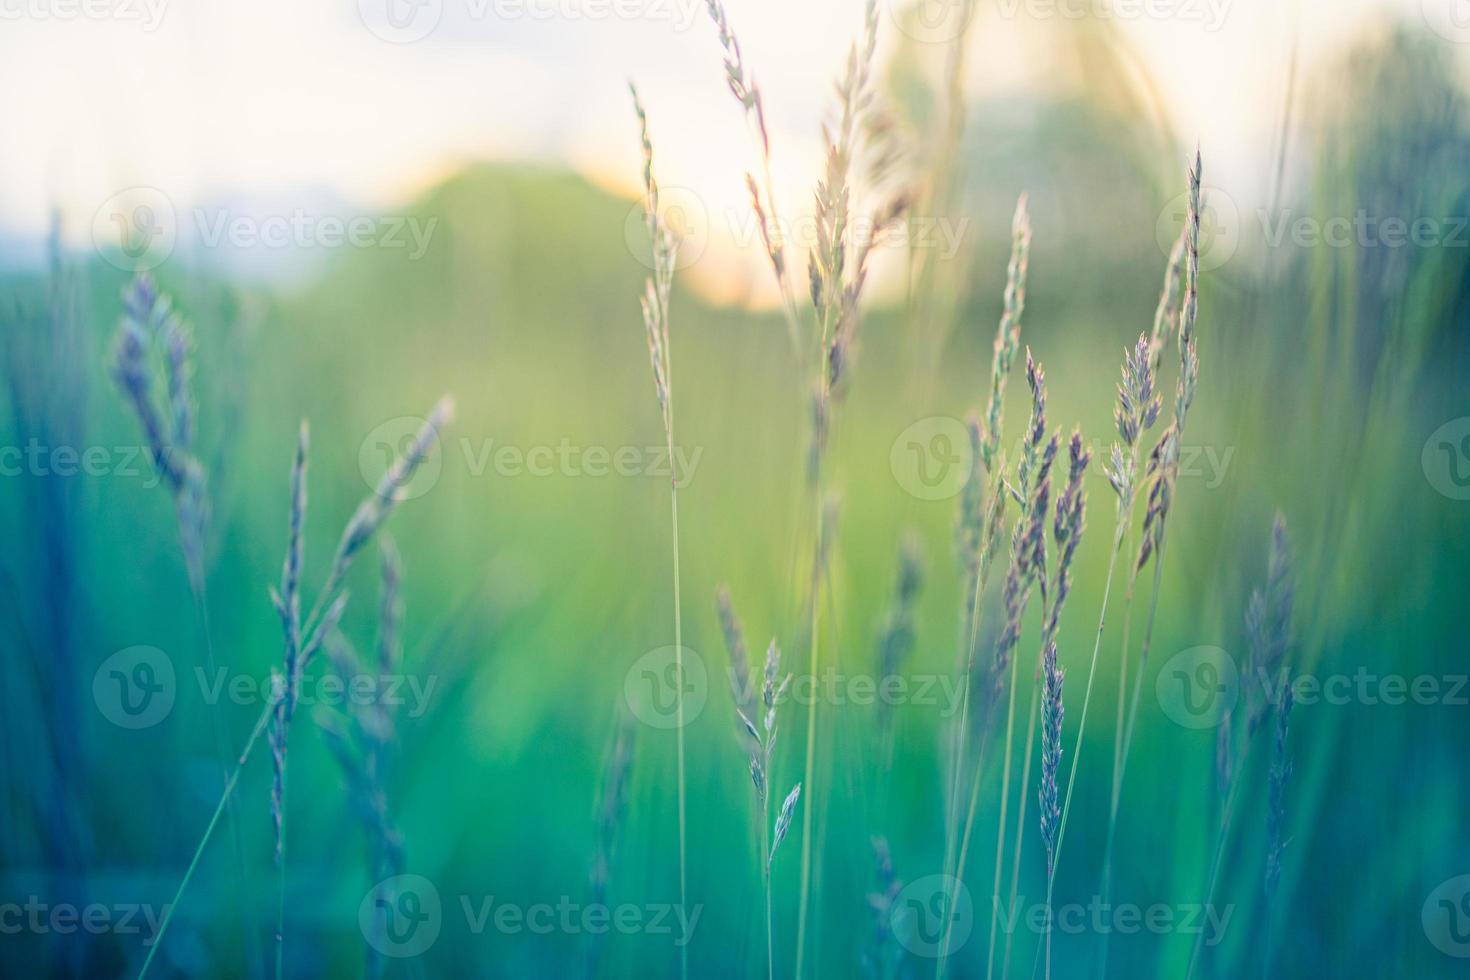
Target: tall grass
(1267, 686)
(837, 273)
(155, 344)
(361, 738)
(656, 328)
(982, 507)
(759, 741)
(611, 809)
(304, 637)
(1027, 567)
(1162, 477)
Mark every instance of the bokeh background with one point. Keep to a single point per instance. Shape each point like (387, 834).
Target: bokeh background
(214, 145)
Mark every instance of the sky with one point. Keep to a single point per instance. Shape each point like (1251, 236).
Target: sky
(364, 103)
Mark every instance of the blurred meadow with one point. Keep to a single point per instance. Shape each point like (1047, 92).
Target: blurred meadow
(522, 790)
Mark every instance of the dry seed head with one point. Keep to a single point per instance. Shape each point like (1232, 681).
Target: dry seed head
(774, 686)
(1276, 796)
(1008, 334)
(1138, 403)
(375, 510)
(896, 640)
(1189, 311)
(1166, 315)
(149, 331)
(783, 821)
(1268, 618)
(1067, 529)
(734, 636)
(288, 600)
(1052, 710)
(970, 521)
(1035, 429)
(390, 607)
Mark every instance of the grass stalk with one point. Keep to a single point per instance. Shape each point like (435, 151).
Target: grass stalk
(1000, 826)
(225, 795)
(656, 329)
(679, 703)
(809, 763)
(1020, 837)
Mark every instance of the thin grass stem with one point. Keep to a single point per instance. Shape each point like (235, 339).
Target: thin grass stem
(260, 725)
